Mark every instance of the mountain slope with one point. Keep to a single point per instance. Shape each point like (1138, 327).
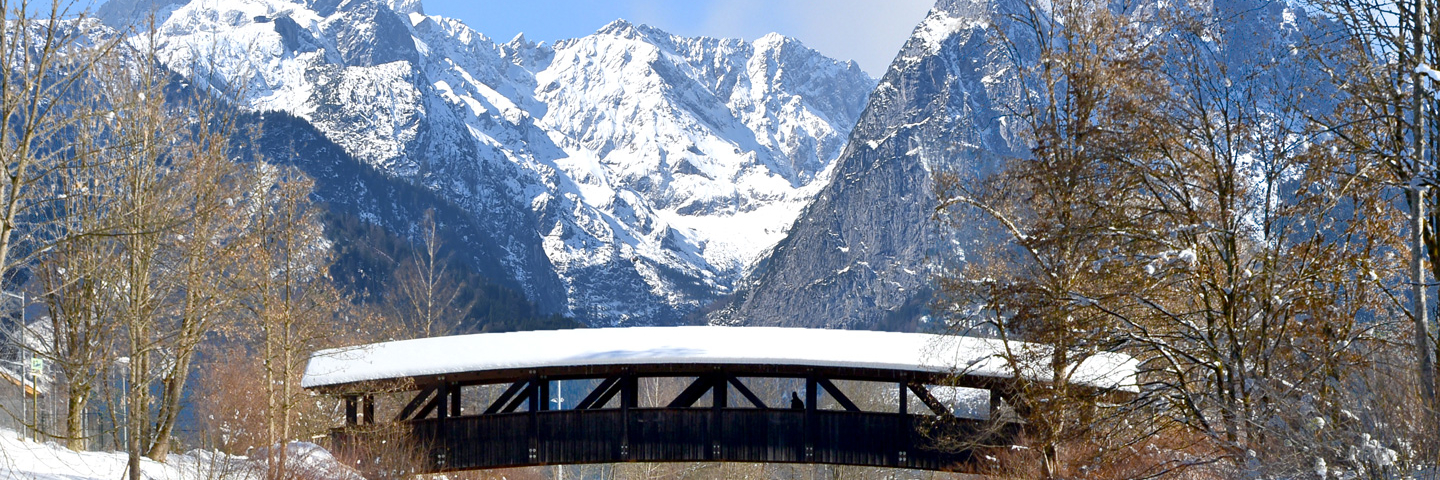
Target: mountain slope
(865, 252)
(629, 176)
(860, 255)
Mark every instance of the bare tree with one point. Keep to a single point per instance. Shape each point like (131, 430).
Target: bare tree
(1179, 207)
(146, 206)
(205, 250)
(1092, 79)
(424, 294)
(77, 274)
(293, 305)
(1389, 117)
(55, 136)
(46, 59)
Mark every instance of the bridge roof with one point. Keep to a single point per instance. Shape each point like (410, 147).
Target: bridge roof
(707, 345)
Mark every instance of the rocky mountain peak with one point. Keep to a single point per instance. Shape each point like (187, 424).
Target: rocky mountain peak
(865, 251)
(861, 254)
(617, 27)
(406, 7)
(631, 174)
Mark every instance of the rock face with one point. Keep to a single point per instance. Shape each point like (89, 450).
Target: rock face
(864, 254)
(626, 177)
(861, 255)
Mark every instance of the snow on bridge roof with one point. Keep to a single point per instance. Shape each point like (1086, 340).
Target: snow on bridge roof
(917, 352)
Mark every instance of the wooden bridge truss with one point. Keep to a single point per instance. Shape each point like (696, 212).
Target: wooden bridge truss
(519, 427)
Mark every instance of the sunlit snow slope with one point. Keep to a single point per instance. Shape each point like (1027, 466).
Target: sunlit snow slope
(643, 170)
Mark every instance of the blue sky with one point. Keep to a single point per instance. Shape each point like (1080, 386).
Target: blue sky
(869, 32)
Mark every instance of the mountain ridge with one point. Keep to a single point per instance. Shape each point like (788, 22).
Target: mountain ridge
(866, 252)
(863, 253)
(630, 173)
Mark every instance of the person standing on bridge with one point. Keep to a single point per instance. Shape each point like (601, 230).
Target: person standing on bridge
(795, 402)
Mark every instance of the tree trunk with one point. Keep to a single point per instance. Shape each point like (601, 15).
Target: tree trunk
(135, 414)
(75, 418)
(1423, 347)
(170, 409)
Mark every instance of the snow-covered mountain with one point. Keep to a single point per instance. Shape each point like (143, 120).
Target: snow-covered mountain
(862, 255)
(630, 175)
(866, 252)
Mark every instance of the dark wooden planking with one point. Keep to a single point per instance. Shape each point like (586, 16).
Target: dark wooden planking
(682, 435)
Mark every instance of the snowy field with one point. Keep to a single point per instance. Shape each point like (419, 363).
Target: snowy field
(22, 458)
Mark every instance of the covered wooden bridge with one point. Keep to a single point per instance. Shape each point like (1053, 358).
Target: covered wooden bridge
(679, 394)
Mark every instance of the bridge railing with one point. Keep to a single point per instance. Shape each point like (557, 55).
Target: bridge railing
(688, 434)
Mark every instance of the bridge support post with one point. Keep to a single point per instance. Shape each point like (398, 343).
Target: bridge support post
(442, 402)
(718, 401)
(442, 410)
(455, 409)
(629, 398)
(350, 410)
(995, 402)
(537, 384)
(811, 420)
(903, 437)
(904, 398)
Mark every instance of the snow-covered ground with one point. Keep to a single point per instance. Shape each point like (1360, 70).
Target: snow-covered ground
(22, 458)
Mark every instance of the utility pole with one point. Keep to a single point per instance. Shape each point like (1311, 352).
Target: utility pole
(30, 371)
(20, 370)
(559, 405)
(21, 365)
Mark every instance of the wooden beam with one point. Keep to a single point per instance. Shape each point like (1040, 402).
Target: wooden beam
(812, 423)
(692, 393)
(604, 389)
(420, 398)
(839, 395)
(904, 399)
(930, 401)
(526, 397)
(745, 391)
(532, 394)
(436, 404)
(630, 391)
(614, 390)
(718, 398)
(629, 398)
(995, 402)
(350, 410)
(499, 403)
(442, 403)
